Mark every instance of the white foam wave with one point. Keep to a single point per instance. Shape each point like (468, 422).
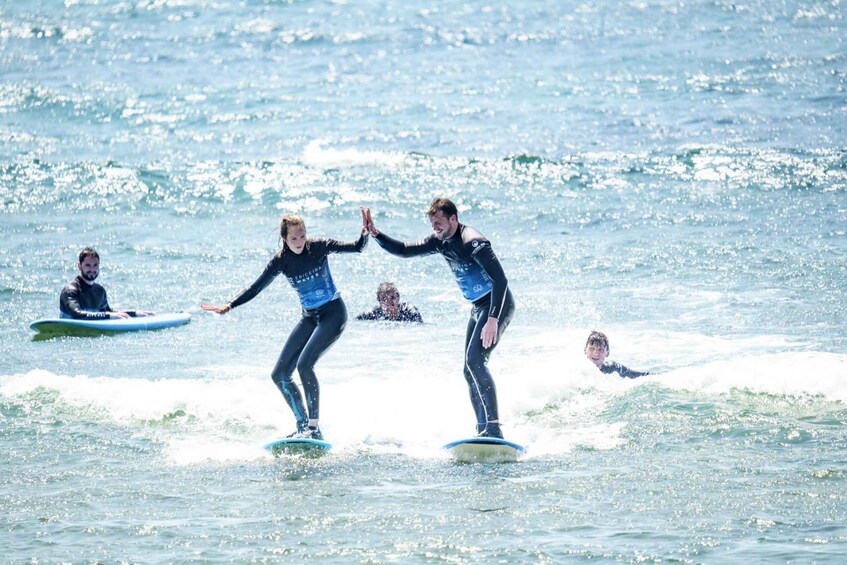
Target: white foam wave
(556, 401)
(551, 398)
(130, 401)
(787, 374)
(317, 156)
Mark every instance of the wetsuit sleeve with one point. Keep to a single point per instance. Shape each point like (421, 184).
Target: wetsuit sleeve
(427, 246)
(104, 304)
(485, 257)
(271, 271)
(372, 315)
(333, 246)
(626, 373)
(413, 315)
(69, 304)
(408, 313)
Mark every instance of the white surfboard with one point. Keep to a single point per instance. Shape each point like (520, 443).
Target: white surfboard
(484, 450)
(72, 326)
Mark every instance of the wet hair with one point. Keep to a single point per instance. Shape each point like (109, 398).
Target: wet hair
(387, 288)
(289, 221)
(88, 252)
(596, 338)
(443, 205)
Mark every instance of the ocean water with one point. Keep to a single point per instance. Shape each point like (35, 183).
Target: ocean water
(670, 172)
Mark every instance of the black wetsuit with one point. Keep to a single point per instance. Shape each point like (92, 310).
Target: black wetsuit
(482, 281)
(615, 367)
(324, 318)
(84, 300)
(405, 313)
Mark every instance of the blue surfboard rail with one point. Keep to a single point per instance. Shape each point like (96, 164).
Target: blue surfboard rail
(484, 450)
(72, 326)
(298, 446)
(486, 441)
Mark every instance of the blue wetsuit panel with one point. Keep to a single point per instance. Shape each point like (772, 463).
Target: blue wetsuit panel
(314, 288)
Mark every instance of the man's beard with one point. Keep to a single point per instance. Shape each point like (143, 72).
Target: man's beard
(88, 277)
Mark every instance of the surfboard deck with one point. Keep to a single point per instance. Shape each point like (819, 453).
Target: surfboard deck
(74, 327)
(484, 450)
(306, 447)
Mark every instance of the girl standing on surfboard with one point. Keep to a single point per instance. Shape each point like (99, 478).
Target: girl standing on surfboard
(304, 263)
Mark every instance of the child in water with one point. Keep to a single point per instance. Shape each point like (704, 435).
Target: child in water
(597, 349)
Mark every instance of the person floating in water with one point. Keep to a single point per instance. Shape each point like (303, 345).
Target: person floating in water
(597, 349)
(304, 263)
(483, 282)
(84, 299)
(390, 308)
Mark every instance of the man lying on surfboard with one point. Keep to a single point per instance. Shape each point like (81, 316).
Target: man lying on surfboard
(84, 299)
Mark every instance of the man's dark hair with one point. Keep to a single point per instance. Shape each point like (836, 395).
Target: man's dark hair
(88, 252)
(443, 205)
(597, 338)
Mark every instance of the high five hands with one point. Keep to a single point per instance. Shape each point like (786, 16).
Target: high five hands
(368, 223)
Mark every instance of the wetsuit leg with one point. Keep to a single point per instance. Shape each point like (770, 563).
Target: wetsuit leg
(285, 365)
(481, 387)
(472, 333)
(330, 319)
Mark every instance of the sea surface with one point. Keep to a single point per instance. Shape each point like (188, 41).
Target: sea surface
(670, 172)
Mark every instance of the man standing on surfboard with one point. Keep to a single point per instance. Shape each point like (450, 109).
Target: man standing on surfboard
(84, 299)
(483, 282)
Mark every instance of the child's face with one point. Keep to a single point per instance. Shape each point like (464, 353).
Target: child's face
(596, 353)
